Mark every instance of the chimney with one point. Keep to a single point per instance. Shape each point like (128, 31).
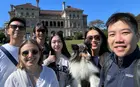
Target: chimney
(12, 7)
(63, 6)
(37, 3)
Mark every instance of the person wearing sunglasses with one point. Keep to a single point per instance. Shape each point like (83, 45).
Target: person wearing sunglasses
(58, 58)
(15, 31)
(96, 42)
(30, 72)
(40, 33)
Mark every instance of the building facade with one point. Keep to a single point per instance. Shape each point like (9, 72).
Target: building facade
(68, 20)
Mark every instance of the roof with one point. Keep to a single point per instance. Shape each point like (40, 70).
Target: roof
(50, 12)
(28, 5)
(72, 9)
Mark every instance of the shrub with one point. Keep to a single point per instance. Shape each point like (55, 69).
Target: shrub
(78, 35)
(69, 38)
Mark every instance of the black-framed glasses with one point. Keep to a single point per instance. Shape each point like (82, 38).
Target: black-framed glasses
(41, 30)
(26, 52)
(96, 37)
(17, 26)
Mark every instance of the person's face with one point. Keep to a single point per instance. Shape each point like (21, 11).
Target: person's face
(29, 55)
(122, 39)
(40, 33)
(56, 44)
(16, 30)
(95, 39)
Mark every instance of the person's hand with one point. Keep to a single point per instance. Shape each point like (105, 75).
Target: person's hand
(51, 58)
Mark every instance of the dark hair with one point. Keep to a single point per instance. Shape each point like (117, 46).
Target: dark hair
(40, 25)
(104, 46)
(20, 64)
(124, 17)
(64, 49)
(22, 20)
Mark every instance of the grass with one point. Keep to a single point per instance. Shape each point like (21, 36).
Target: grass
(139, 43)
(69, 42)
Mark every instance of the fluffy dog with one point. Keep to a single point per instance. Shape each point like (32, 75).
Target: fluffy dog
(81, 67)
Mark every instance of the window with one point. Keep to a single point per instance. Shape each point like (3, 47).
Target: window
(70, 15)
(73, 15)
(51, 23)
(27, 14)
(46, 23)
(21, 13)
(54, 23)
(58, 23)
(62, 24)
(32, 14)
(77, 16)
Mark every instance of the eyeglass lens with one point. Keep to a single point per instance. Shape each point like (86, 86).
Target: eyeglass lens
(96, 37)
(41, 30)
(17, 26)
(26, 52)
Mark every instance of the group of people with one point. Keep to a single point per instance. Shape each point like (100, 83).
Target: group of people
(36, 63)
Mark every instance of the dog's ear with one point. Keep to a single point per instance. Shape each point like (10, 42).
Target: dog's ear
(82, 47)
(75, 47)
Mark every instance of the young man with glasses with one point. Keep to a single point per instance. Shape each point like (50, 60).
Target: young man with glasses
(16, 29)
(41, 32)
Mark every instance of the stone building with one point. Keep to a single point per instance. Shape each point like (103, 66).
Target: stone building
(68, 20)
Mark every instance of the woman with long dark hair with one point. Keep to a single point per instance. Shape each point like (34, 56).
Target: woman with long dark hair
(58, 58)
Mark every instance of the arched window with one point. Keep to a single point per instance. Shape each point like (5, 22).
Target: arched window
(46, 23)
(51, 24)
(62, 24)
(43, 22)
(54, 23)
(58, 24)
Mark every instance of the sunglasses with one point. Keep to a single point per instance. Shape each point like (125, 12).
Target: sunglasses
(96, 37)
(17, 26)
(26, 52)
(41, 30)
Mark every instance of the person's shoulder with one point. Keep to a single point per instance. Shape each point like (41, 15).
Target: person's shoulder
(12, 76)
(9, 47)
(2, 54)
(11, 80)
(6, 45)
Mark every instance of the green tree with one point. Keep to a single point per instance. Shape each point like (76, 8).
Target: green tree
(98, 23)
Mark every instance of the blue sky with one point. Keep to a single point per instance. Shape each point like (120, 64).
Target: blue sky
(95, 9)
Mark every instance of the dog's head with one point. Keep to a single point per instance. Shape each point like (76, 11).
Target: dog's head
(80, 51)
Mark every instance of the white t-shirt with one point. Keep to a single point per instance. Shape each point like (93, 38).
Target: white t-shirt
(47, 79)
(6, 65)
(62, 69)
(62, 63)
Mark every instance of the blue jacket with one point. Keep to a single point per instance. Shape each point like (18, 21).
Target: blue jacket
(121, 72)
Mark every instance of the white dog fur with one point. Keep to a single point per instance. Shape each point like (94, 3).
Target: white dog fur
(83, 69)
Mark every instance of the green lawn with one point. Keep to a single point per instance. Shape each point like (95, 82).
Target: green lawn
(139, 43)
(69, 42)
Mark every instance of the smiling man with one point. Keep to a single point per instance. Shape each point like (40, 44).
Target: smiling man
(15, 30)
(122, 39)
